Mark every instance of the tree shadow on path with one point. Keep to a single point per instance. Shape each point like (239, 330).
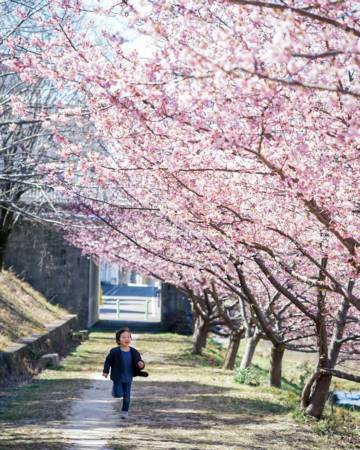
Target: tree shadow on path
(32, 415)
(171, 415)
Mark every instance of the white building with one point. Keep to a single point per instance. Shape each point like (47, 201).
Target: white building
(115, 274)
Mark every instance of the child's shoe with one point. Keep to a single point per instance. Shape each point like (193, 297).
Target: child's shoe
(124, 414)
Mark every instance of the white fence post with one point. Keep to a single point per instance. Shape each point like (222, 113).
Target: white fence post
(118, 308)
(147, 309)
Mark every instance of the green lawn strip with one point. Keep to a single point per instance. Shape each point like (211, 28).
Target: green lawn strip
(31, 414)
(190, 402)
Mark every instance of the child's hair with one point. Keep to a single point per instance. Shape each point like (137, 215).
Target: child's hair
(120, 332)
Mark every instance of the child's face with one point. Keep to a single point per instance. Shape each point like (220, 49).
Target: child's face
(125, 338)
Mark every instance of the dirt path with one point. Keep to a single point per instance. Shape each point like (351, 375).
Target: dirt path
(95, 416)
(92, 419)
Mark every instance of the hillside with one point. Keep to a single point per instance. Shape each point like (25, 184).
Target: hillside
(23, 311)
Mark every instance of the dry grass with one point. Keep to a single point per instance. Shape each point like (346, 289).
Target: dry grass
(23, 311)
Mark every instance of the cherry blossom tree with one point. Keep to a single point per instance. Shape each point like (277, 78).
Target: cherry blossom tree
(29, 109)
(232, 143)
(303, 322)
(288, 108)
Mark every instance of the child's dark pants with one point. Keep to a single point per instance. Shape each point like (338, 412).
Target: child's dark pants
(122, 390)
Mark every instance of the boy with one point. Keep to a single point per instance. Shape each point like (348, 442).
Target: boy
(125, 363)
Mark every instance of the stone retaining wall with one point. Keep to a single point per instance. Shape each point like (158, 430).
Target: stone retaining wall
(40, 255)
(22, 359)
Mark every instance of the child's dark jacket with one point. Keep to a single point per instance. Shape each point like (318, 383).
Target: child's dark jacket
(114, 360)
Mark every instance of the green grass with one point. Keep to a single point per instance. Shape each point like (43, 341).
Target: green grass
(213, 355)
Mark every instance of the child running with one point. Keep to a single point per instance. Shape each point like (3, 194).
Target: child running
(125, 363)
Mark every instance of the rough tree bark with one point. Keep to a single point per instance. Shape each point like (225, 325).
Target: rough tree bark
(314, 399)
(316, 391)
(277, 353)
(250, 347)
(232, 350)
(4, 237)
(201, 330)
(7, 222)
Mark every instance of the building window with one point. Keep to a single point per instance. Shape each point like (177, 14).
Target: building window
(133, 277)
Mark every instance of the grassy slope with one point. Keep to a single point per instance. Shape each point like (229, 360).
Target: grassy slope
(186, 403)
(23, 311)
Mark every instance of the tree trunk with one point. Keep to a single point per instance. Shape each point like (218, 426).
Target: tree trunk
(4, 238)
(251, 343)
(338, 332)
(315, 403)
(200, 335)
(277, 353)
(232, 350)
(316, 391)
(306, 392)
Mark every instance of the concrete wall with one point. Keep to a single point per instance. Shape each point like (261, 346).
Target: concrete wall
(39, 254)
(22, 359)
(94, 293)
(176, 312)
